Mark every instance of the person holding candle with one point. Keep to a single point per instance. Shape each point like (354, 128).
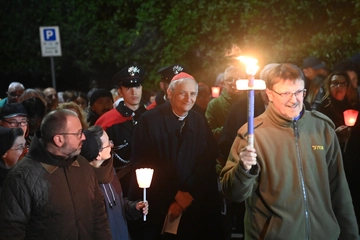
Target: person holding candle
(177, 143)
(96, 149)
(339, 96)
(292, 180)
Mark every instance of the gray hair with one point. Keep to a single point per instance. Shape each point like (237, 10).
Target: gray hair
(175, 83)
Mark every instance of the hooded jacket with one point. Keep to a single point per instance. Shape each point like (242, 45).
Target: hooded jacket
(47, 197)
(298, 189)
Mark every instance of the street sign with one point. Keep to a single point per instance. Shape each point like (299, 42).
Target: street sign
(50, 41)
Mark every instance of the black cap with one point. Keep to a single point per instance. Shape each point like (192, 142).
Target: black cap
(167, 73)
(314, 63)
(129, 76)
(13, 110)
(6, 139)
(90, 148)
(98, 93)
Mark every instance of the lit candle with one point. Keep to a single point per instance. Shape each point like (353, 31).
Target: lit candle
(215, 92)
(350, 117)
(144, 177)
(250, 84)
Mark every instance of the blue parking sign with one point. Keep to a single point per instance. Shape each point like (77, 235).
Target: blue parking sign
(50, 41)
(49, 34)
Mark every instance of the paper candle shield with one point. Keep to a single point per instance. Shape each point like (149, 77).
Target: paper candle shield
(144, 177)
(350, 117)
(215, 92)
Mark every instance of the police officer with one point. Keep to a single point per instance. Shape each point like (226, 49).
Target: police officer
(120, 121)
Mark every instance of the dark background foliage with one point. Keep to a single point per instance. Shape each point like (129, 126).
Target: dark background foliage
(99, 37)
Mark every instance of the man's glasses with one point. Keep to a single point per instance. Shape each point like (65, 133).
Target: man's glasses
(338, 84)
(288, 95)
(78, 133)
(13, 94)
(15, 124)
(111, 145)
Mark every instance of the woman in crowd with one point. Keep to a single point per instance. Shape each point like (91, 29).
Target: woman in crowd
(97, 150)
(12, 144)
(340, 95)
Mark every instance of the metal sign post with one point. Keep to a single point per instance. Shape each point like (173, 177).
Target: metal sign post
(50, 46)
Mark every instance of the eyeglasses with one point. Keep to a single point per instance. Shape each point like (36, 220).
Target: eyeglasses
(111, 145)
(338, 84)
(288, 95)
(13, 94)
(17, 124)
(19, 148)
(78, 133)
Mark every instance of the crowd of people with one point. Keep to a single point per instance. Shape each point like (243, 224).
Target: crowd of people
(68, 160)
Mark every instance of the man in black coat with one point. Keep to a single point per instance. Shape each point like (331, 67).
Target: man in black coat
(53, 193)
(174, 141)
(120, 121)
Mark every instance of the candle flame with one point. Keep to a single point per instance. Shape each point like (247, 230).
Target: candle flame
(251, 67)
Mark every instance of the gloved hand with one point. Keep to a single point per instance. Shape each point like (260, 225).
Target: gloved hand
(184, 199)
(175, 210)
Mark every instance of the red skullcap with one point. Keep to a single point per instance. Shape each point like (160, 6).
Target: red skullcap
(182, 75)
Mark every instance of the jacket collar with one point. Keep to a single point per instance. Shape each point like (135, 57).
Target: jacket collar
(52, 168)
(171, 120)
(281, 120)
(51, 162)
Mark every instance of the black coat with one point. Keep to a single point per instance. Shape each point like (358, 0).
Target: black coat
(119, 124)
(47, 198)
(181, 161)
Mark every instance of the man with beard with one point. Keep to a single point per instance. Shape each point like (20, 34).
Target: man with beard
(120, 121)
(53, 193)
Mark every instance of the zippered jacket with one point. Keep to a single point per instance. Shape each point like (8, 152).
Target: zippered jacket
(298, 188)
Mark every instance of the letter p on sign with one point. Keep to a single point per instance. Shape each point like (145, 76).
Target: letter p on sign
(49, 34)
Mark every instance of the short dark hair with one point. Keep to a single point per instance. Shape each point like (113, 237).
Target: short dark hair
(97, 131)
(54, 123)
(285, 71)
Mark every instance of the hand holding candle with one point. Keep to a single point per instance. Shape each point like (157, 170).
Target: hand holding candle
(144, 177)
(350, 117)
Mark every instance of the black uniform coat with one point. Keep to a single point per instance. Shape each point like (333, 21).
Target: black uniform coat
(119, 124)
(181, 161)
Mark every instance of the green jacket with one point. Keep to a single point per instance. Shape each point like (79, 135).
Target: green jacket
(217, 111)
(298, 189)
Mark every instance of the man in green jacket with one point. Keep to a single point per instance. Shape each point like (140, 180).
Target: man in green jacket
(218, 108)
(292, 180)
